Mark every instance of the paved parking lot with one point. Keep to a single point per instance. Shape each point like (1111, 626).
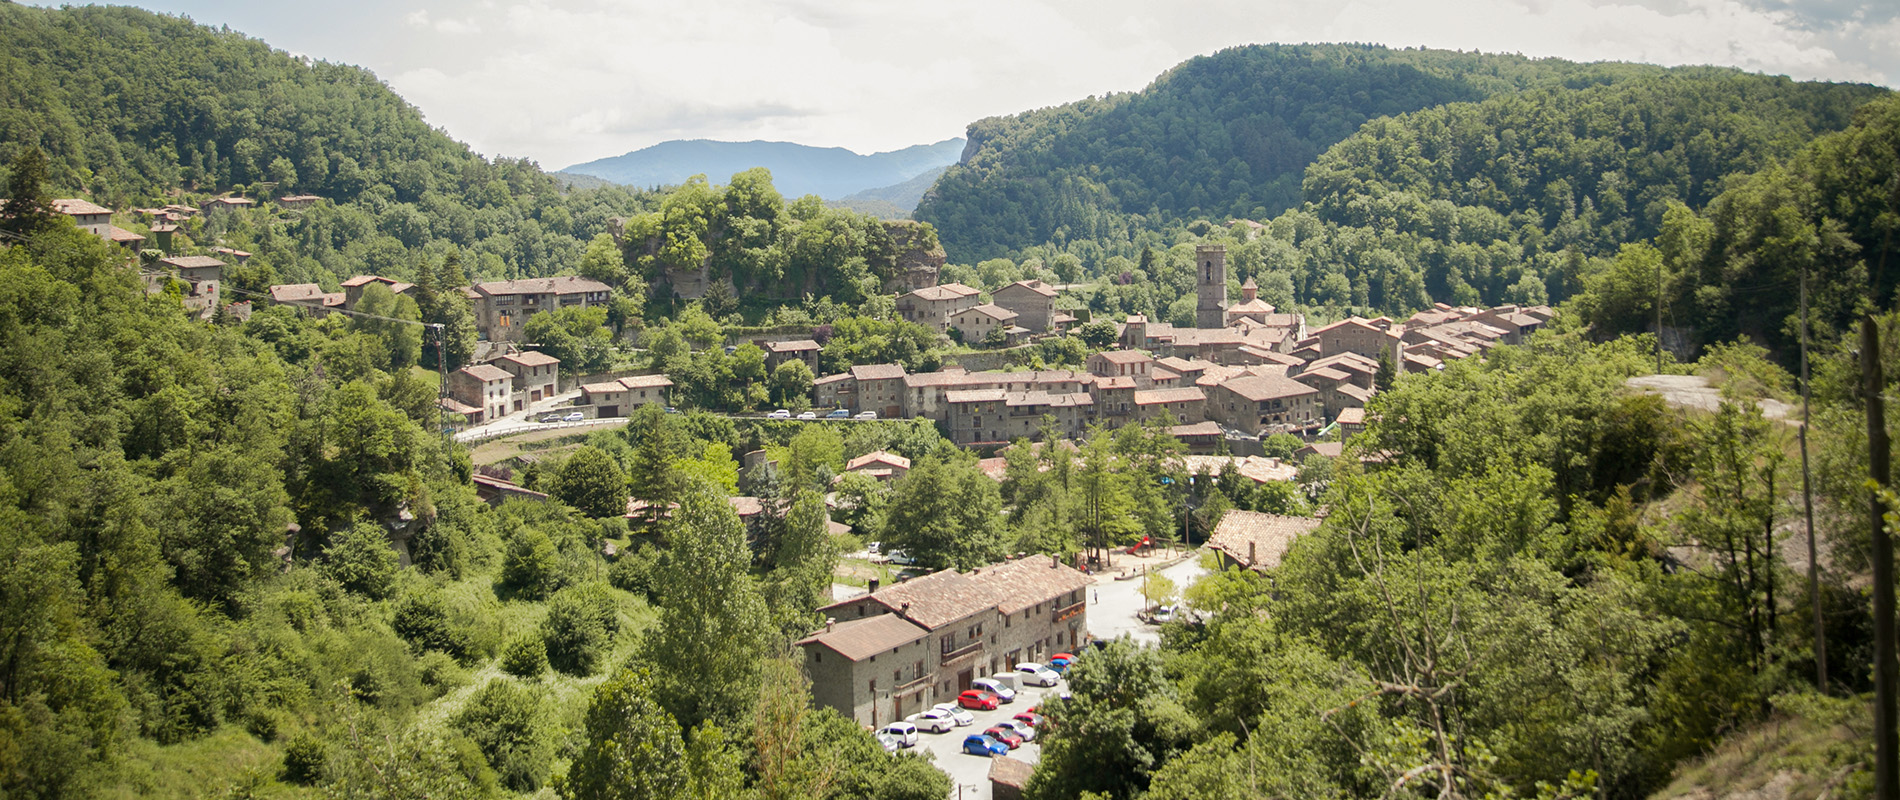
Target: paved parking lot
(970, 775)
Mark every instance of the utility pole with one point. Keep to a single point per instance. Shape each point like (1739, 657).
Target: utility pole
(1807, 505)
(442, 383)
(1880, 469)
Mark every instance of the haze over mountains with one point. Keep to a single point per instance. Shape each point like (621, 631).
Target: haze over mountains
(797, 169)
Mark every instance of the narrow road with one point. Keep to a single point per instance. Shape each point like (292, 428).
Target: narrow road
(1113, 604)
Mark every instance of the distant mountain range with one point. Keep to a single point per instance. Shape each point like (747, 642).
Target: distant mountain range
(797, 170)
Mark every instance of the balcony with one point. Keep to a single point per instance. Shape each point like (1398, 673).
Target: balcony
(914, 685)
(961, 651)
(1065, 613)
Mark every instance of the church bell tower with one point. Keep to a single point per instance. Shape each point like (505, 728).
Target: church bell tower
(1210, 276)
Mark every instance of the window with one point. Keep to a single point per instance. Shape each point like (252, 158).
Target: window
(873, 686)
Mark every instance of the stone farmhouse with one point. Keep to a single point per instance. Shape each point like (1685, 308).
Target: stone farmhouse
(503, 307)
(935, 305)
(903, 648)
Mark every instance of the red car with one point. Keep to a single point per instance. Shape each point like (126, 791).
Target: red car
(977, 699)
(1030, 718)
(1006, 735)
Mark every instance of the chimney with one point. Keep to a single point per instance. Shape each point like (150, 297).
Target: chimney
(1055, 561)
(831, 624)
(873, 586)
(1251, 555)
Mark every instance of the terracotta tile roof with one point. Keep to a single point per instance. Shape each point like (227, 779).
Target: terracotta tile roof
(1209, 428)
(941, 598)
(1262, 387)
(1352, 416)
(457, 406)
(1124, 356)
(1010, 772)
(879, 457)
(1116, 382)
(860, 639)
(74, 207)
(335, 299)
(530, 358)
(646, 382)
(565, 284)
(993, 311)
(1035, 286)
(191, 262)
(975, 395)
(608, 387)
(118, 234)
(949, 377)
(793, 346)
(296, 198)
(1357, 392)
(1322, 375)
(1063, 400)
(948, 291)
(1327, 449)
(296, 292)
(1256, 540)
(1185, 394)
(487, 373)
(997, 468)
(746, 506)
(1255, 306)
(831, 379)
(1015, 585)
(878, 372)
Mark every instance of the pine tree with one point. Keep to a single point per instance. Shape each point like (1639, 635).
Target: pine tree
(28, 210)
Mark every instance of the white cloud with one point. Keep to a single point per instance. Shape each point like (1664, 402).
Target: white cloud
(564, 81)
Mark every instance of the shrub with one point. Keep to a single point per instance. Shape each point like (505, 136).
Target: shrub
(579, 628)
(525, 657)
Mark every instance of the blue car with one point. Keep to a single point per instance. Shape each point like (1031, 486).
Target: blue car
(980, 745)
(1060, 665)
(842, 413)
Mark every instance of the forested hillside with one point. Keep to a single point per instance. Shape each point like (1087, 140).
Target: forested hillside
(1473, 172)
(1220, 136)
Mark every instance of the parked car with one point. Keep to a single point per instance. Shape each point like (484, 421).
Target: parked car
(1035, 674)
(933, 720)
(900, 557)
(1030, 718)
(958, 715)
(574, 416)
(780, 414)
(808, 415)
(1023, 729)
(905, 732)
(1004, 734)
(978, 699)
(841, 413)
(980, 745)
(867, 415)
(551, 418)
(887, 741)
(1004, 694)
(1160, 615)
(1067, 657)
(672, 410)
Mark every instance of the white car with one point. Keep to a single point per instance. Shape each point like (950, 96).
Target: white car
(1035, 674)
(809, 415)
(574, 416)
(867, 415)
(1023, 729)
(780, 414)
(1004, 694)
(958, 714)
(934, 720)
(904, 732)
(888, 742)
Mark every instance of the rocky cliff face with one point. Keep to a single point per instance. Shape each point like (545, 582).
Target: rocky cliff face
(919, 255)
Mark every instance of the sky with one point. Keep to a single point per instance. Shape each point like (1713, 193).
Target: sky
(567, 81)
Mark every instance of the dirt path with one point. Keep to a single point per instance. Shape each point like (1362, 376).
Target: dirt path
(1694, 391)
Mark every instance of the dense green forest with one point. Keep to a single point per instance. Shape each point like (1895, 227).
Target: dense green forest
(135, 108)
(1473, 179)
(238, 560)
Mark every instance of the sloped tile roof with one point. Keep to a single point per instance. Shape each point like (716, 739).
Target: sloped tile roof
(860, 639)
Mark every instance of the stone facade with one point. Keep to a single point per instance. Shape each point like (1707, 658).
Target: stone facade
(947, 629)
(503, 307)
(535, 374)
(935, 305)
(1210, 294)
(1033, 301)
